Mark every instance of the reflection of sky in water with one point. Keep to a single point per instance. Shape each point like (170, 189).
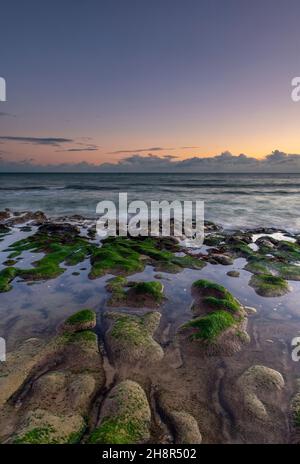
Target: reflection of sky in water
(35, 309)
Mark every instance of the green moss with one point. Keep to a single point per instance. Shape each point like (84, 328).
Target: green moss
(269, 285)
(257, 265)
(228, 303)
(121, 255)
(116, 287)
(212, 325)
(37, 435)
(130, 328)
(58, 249)
(85, 315)
(115, 257)
(84, 336)
(116, 431)
(152, 289)
(134, 293)
(204, 284)
(241, 248)
(7, 275)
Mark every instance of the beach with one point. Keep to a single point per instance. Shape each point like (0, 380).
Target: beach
(200, 339)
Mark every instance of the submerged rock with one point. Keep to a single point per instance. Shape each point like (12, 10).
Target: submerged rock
(233, 273)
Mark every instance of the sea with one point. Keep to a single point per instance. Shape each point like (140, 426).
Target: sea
(230, 200)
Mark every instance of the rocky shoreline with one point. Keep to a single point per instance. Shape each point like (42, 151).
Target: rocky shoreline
(128, 373)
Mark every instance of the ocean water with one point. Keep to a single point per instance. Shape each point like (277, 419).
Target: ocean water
(231, 200)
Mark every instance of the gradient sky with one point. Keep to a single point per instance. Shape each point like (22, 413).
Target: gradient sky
(176, 77)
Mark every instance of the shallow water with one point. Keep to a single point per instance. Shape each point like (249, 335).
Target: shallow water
(36, 310)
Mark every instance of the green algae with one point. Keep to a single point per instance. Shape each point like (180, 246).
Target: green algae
(134, 293)
(83, 316)
(7, 275)
(269, 285)
(210, 326)
(126, 256)
(119, 431)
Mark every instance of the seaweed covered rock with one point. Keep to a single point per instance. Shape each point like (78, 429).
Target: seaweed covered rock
(185, 428)
(210, 296)
(58, 248)
(256, 384)
(125, 256)
(130, 337)
(295, 413)
(269, 285)
(255, 399)
(220, 320)
(43, 427)
(135, 294)
(82, 320)
(18, 366)
(7, 275)
(125, 416)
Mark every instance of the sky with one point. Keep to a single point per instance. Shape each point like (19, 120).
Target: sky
(144, 84)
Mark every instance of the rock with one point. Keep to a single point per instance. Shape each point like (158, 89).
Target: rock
(256, 383)
(250, 310)
(53, 228)
(220, 323)
(295, 413)
(135, 294)
(130, 337)
(269, 285)
(126, 416)
(233, 273)
(268, 242)
(44, 427)
(186, 428)
(37, 216)
(221, 259)
(64, 374)
(4, 215)
(17, 367)
(82, 320)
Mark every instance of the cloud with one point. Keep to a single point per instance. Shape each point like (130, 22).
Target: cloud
(139, 150)
(188, 148)
(80, 149)
(3, 114)
(276, 161)
(53, 141)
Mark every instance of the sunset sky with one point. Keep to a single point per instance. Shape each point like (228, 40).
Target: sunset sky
(99, 81)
